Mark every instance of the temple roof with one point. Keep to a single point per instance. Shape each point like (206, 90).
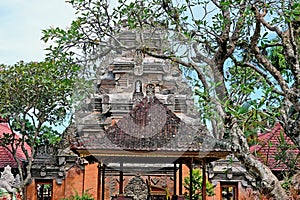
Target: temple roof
(6, 158)
(271, 144)
(150, 127)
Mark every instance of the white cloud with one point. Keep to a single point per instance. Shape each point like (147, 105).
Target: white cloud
(21, 24)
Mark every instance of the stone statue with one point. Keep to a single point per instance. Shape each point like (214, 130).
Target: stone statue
(8, 184)
(7, 180)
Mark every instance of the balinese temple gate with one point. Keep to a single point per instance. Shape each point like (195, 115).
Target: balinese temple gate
(142, 127)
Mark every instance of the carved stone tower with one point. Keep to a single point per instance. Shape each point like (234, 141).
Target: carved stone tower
(128, 77)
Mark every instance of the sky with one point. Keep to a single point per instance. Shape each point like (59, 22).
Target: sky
(21, 24)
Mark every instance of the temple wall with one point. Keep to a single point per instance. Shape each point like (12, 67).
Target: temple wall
(58, 190)
(79, 181)
(74, 182)
(31, 191)
(70, 185)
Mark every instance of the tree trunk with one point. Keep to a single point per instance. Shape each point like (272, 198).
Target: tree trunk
(268, 182)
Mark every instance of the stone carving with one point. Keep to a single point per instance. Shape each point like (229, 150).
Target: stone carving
(138, 86)
(138, 92)
(7, 181)
(144, 122)
(138, 67)
(137, 188)
(105, 104)
(112, 186)
(150, 90)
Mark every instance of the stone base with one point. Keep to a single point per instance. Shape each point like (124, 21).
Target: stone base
(121, 197)
(178, 197)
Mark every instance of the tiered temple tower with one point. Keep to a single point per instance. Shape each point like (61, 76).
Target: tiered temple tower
(127, 77)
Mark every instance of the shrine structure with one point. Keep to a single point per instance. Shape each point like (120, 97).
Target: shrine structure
(141, 126)
(137, 135)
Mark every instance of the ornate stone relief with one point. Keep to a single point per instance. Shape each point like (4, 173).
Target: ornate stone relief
(137, 188)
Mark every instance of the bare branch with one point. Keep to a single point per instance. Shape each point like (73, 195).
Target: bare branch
(199, 56)
(264, 75)
(216, 3)
(179, 61)
(262, 59)
(236, 32)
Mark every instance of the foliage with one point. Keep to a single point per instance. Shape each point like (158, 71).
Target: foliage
(243, 56)
(84, 196)
(197, 185)
(286, 153)
(34, 97)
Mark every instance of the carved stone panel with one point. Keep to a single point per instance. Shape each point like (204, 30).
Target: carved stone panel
(137, 188)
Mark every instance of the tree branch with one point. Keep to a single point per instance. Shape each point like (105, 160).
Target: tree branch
(179, 61)
(264, 75)
(288, 43)
(262, 59)
(199, 56)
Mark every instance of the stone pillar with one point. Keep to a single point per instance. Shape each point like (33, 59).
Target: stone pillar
(121, 179)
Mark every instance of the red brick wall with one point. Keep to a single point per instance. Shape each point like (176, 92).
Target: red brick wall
(31, 191)
(74, 181)
(91, 179)
(58, 190)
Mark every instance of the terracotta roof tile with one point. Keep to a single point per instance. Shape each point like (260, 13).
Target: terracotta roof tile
(6, 158)
(270, 144)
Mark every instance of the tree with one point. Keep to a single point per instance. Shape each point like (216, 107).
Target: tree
(242, 55)
(34, 97)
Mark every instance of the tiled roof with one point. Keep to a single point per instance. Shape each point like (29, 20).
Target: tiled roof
(270, 144)
(6, 158)
(150, 126)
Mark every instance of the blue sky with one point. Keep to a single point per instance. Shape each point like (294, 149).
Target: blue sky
(21, 22)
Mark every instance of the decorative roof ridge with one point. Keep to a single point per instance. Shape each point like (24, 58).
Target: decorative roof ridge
(272, 133)
(4, 124)
(149, 100)
(3, 120)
